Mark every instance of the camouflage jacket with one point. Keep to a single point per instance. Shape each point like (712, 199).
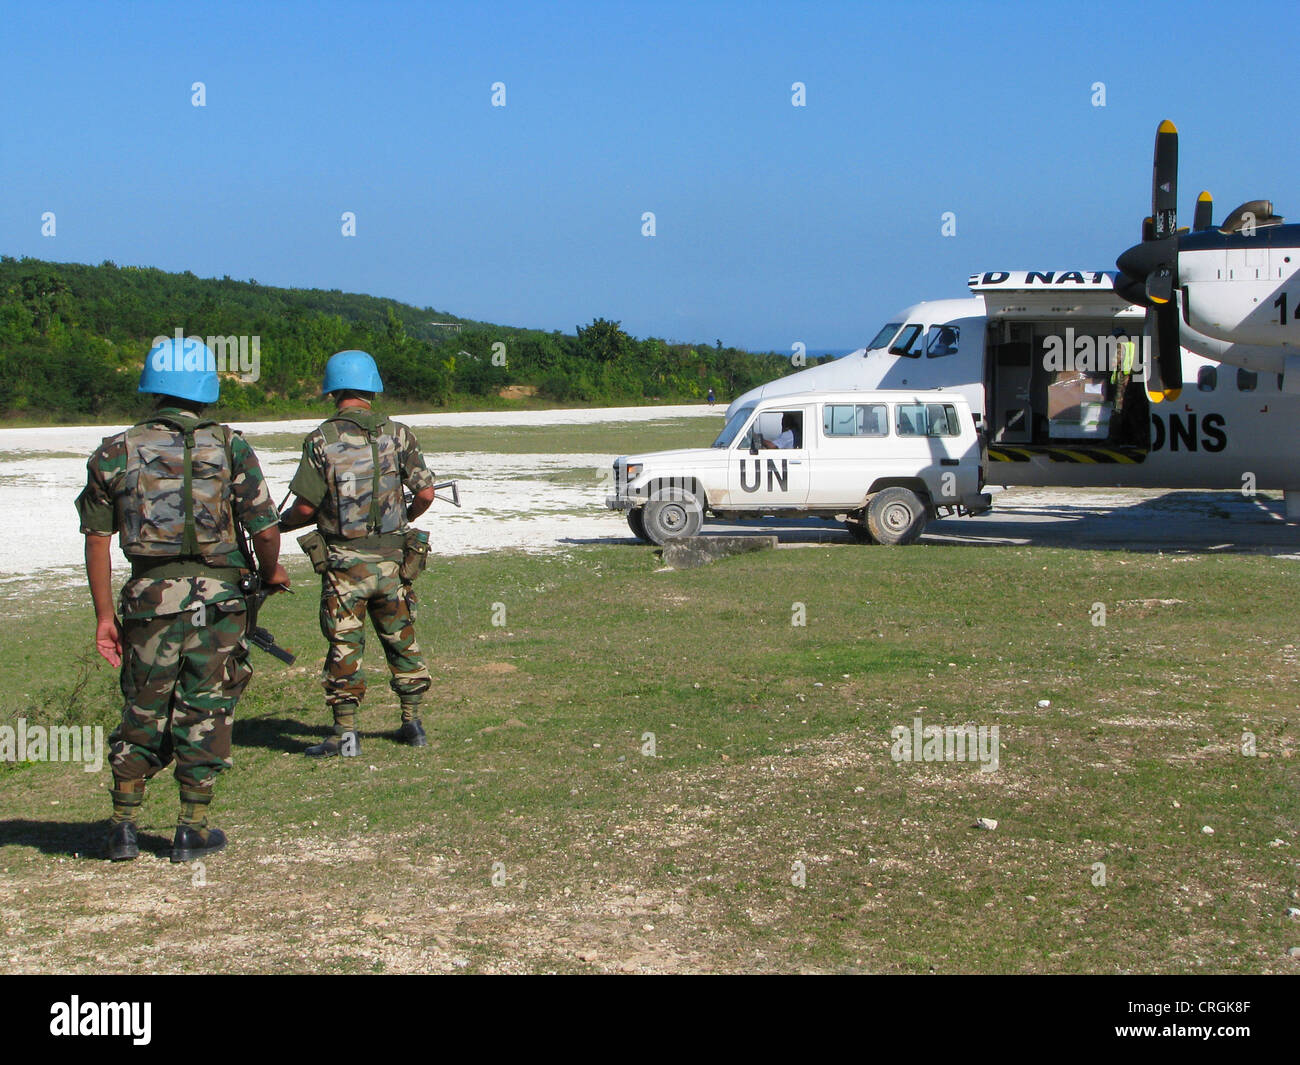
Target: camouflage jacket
(135, 488)
(353, 469)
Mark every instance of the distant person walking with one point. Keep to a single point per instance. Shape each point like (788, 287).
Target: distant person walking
(712, 398)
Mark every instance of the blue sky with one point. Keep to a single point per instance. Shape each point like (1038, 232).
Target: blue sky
(774, 223)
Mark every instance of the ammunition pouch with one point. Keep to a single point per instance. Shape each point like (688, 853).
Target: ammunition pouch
(415, 554)
(316, 549)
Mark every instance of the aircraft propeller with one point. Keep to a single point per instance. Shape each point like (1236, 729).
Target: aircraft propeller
(1149, 270)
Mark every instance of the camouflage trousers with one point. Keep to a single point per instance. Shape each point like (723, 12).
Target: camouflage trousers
(348, 594)
(181, 682)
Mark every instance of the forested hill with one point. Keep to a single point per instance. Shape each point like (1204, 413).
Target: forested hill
(73, 339)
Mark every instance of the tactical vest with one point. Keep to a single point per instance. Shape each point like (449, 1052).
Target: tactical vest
(177, 493)
(365, 482)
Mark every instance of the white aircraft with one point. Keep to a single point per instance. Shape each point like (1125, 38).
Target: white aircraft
(1035, 353)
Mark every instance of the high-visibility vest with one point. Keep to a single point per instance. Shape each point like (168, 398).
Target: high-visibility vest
(1127, 351)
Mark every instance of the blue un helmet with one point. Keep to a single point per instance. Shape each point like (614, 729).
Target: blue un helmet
(183, 367)
(354, 370)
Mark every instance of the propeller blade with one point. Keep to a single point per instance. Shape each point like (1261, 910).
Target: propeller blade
(1204, 210)
(1165, 369)
(1149, 270)
(1164, 181)
(1160, 285)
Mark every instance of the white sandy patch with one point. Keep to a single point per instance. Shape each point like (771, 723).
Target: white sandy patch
(506, 500)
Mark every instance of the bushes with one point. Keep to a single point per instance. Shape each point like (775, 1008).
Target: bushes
(73, 339)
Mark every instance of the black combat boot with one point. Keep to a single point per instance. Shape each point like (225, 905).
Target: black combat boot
(347, 745)
(190, 843)
(128, 797)
(194, 839)
(122, 842)
(412, 733)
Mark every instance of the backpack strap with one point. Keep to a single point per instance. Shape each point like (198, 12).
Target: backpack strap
(374, 521)
(190, 543)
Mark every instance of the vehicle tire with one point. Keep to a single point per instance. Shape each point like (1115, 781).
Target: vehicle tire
(636, 522)
(859, 532)
(678, 514)
(895, 516)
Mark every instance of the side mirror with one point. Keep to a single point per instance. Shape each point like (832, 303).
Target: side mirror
(753, 444)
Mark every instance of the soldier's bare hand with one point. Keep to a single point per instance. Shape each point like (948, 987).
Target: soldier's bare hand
(278, 576)
(108, 641)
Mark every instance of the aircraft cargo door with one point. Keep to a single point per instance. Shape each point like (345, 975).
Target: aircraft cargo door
(1011, 358)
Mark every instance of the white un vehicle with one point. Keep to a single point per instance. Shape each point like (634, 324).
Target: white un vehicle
(882, 462)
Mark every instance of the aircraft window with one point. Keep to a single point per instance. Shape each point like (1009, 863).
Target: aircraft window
(885, 335)
(1207, 378)
(908, 343)
(941, 340)
(1246, 380)
(927, 419)
(862, 419)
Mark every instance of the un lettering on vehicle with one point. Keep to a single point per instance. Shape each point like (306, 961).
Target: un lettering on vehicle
(775, 478)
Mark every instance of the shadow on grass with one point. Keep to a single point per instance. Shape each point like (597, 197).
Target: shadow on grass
(279, 733)
(76, 839)
(291, 734)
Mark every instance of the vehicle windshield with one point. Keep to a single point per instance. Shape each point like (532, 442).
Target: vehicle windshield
(885, 336)
(734, 426)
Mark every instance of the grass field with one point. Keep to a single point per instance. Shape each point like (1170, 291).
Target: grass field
(770, 830)
(593, 438)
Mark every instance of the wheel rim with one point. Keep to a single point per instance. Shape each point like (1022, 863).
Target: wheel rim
(897, 517)
(672, 517)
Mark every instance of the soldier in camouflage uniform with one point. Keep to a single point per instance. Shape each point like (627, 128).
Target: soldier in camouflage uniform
(350, 482)
(172, 486)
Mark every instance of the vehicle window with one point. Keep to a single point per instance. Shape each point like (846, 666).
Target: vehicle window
(927, 419)
(873, 419)
(781, 428)
(734, 426)
(908, 343)
(839, 420)
(1207, 378)
(885, 335)
(855, 419)
(1247, 380)
(941, 340)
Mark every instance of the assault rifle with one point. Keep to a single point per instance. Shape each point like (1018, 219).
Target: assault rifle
(255, 592)
(455, 492)
(454, 498)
